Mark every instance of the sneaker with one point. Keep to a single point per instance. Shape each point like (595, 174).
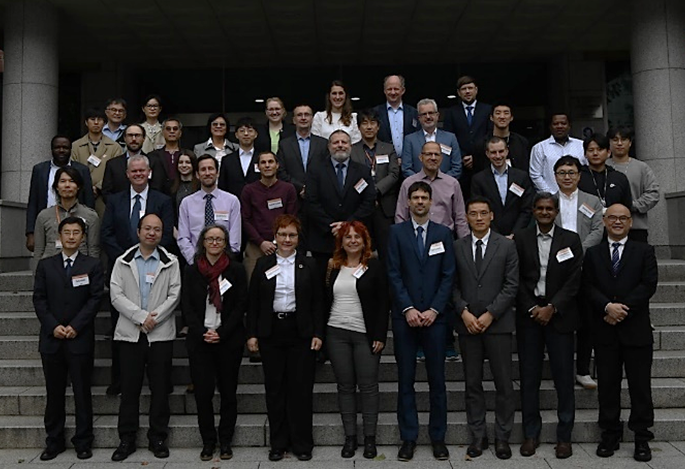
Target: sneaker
(586, 381)
(420, 357)
(452, 355)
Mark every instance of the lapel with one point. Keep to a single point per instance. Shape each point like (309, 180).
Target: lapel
(411, 239)
(330, 170)
(408, 119)
(467, 252)
(460, 115)
(385, 120)
(493, 190)
(627, 254)
(490, 251)
(382, 148)
(43, 174)
(271, 282)
(358, 153)
(352, 178)
(59, 267)
(297, 156)
(299, 281)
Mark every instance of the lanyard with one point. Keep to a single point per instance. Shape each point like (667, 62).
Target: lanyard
(594, 181)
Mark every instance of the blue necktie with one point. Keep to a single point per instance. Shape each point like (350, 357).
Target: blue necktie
(209, 210)
(469, 115)
(135, 217)
(339, 173)
(614, 258)
(419, 240)
(67, 269)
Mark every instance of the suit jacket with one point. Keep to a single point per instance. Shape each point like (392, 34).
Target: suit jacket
(108, 149)
(417, 279)
(159, 154)
(116, 236)
(516, 211)
(291, 169)
(455, 122)
(634, 284)
(231, 177)
(411, 149)
(410, 118)
(372, 289)
(519, 152)
(38, 191)
(194, 291)
(308, 298)
(263, 140)
(387, 176)
(58, 302)
(590, 229)
(115, 179)
(492, 289)
(562, 282)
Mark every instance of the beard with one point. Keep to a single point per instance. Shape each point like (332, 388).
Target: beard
(341, 155)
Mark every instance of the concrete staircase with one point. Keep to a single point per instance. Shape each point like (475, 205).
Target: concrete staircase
(22, 391)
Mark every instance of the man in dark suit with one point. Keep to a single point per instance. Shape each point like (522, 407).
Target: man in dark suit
(470, 122)
(66, 297)
(116, 180)
(619, 277)
(509, 190)
(338, 189)
(381, 159)
(550, 260)
(420, 273)
(484, 296)
(519, 149)
(42, 176)
(240, 167)
(397, 119)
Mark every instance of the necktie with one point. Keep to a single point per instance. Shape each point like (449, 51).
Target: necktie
(419, 240)
(209, 210)
(614, 258)
(135, 216)
(67, 268)
(339, 173)
(479, 255)
(469, 115)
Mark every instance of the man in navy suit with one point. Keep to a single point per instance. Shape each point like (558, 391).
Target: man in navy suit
(40, 190)
(397, 119)
(421, 268)
(66, 298)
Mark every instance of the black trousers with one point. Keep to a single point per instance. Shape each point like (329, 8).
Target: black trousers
(611, 360)
(380, 228)
(584, 340)
(56, 368)
(115, 371)
(288, 364)
(212, 365)
(137, 358)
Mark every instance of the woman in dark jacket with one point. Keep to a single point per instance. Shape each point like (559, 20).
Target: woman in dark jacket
(284, 324)
(214, 300)
(357, 325)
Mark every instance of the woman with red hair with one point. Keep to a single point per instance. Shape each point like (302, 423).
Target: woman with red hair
(357, 324)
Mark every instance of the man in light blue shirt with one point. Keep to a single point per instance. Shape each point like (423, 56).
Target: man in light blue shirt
(397, 119)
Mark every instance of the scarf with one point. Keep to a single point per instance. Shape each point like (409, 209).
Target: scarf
(211, 274)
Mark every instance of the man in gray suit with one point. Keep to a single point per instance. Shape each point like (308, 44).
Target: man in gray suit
(484, 297)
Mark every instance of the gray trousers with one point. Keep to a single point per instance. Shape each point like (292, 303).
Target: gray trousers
(354, 365)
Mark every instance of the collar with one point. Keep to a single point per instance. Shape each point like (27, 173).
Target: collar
(308, 137)
(425, 176)
(139, 255)
(390, 108)
(118, 129)
(128, 154)
(249, 152)
(210, 144)
(416, 225)
(472, 104)
(550, 233)
(53, 165)
(622, 241)
(485, 238)
(497, 173)
(425, 134)
(573, 196)
(553, 141)
(335, 162)
(290, 260)
(210, 192)
(72, 257)
(143, 194)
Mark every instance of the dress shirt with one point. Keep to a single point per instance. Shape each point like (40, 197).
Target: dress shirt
(448, 202)
(114, 134)
(212, 316)
(191, 220)
(72, 257)
(219, 152)
(345, 164)
(284, 294)
(258, 218)
(143, 199)
(544, 246)
(568, 208)
(246, 159)
(145, 267)
(485, 240)
(545, 154)
(431, 137)
(52, 197)
(304, 143)
(622, 246)
(416, 227)
(473, 108)
(501, 179)
(396, 119)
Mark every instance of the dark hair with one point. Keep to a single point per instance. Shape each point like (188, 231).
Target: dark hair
(284, 220)
(73, 174)
(195, 182)
(245, 122)
(465, 80)
(111, 101)
(214, 117)
(500, 103)
(72, 220)
(150, 97)
(142, 129)
(207, 156)
(94, 113)
(567, 160)
(495, 139)
(52, 142)
(420, 186)
(346, 114)
(601, 141)
(544, 195)
(173, 119)
(261, 153)
(200, 249)
(558, 113)
(478, 199)
(368, 115)
(622, 131)
(147, 214)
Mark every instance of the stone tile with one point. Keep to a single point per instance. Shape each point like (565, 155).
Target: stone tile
(54, 464)
(414, 464)
(595, 463)
(291, 462)
(18, 456)
(218, 463)
(118, 465)
(671, 462)
(679, 445)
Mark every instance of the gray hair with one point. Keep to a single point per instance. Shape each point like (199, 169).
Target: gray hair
(385, 80)
(339, 131)
(426, 101)
(173, 119)
(137, 158)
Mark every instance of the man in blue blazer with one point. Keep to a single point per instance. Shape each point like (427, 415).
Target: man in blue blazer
(397, 119)
(413, 143)
(421, 268)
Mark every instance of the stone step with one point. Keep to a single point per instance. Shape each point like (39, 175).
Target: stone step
(666, 393)
(253, 430)
(671, 270)
(23, 301)
(670, 292)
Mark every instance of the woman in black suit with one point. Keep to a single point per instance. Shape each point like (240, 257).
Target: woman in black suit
(275, 129)
(284, 324)
(214, 300)
(357, 325)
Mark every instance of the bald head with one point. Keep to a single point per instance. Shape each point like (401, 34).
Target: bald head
(618, 221)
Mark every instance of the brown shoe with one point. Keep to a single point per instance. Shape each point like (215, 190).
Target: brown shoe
(563, 450)
(528, 447)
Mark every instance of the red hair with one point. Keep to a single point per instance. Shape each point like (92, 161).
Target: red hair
(339, 255)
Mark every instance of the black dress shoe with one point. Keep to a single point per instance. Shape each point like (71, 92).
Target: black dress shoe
(350, 447)
(276, 454)
(113, 390)
(370, 450)
(51, 452)
(476, 447)
(528, 447)
(606, 448)
(502, 449)
(440, 451)
(225, 451)
(207, 452)
(406, 452)
(306, 456)
(125, 449)
(642, 451)
(84, 453)
(159, 449)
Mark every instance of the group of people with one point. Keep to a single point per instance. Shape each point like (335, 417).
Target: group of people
(305, 238)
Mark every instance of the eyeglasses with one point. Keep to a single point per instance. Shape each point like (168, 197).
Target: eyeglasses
(481, 214)
(134, 135)
(152, 106)
(171, 129)
(287, 235)
(614, 218)
(567, 173)
(215, 240)
(428, 114)
(218, 124)
(116, 111)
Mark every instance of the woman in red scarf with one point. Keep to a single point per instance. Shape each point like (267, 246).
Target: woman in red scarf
(214, 300)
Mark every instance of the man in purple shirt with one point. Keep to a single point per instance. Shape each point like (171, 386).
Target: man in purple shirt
(207, 206)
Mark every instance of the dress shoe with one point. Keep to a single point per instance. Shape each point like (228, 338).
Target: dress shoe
(406, 452)
(190, 389)
(113, 390)
(306, 456)
(84, 453)
(563, 450)
(159, 449)
(502, 449)
(207, 452)
(606, 448)
(225, 452)
(349, 447)
(528, 447)
(440, 451)
(476, 447)
(276, 454)
(125, 449)
(586, 381)
(51, 452)
(370, 450)
(642, 451)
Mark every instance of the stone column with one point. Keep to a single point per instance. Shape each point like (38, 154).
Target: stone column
(658, 68)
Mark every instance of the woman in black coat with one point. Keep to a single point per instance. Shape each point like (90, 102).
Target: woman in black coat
(214, 300)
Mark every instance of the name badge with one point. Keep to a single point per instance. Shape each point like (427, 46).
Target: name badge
(382, 159)
(150, 277)
(274, 203)
(94, 160)
(80, 280)
(149, 176)
(224, 285)
(516, 189)
(361, 185)
(256, 168)
(221, 216)
(58, 244)
(564, 255)
(272, 272)
(508, 162)
(436, 248)
(586, 210)
(447, 150)
(360, 271)
(141, 214)
(414, 123)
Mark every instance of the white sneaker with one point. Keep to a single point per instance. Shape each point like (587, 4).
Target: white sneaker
(586, 381)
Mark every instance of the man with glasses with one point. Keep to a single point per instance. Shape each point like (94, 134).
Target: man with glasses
(413, 143)
(115, 109)
(172, 130)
